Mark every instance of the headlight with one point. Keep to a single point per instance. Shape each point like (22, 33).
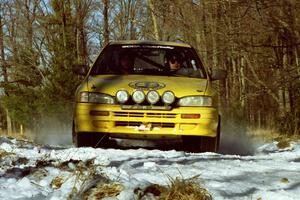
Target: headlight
(122, 96)
(195, 101)
(168, 97)
(92, 97)
(138, 96)
(152, 97)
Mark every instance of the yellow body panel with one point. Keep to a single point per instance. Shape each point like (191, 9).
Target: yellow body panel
(110, 84)
(146, 123)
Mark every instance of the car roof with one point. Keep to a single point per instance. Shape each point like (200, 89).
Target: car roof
(149, 42)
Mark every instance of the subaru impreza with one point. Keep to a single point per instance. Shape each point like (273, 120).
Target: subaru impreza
(133, 91)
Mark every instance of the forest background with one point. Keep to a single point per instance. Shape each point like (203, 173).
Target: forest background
(256, 41)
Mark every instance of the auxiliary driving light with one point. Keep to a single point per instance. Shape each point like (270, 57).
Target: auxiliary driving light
(152, 97)
(168, 97)
(122, 96)
(138, 96)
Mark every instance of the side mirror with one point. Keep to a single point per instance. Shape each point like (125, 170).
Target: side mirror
(80, 69)
(218, 74)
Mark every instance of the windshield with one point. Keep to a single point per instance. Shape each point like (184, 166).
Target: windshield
(148, 60)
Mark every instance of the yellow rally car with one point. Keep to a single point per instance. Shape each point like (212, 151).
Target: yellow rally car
(147, 90)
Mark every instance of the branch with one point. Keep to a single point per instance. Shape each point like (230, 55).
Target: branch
(20, 81)
(259, 82)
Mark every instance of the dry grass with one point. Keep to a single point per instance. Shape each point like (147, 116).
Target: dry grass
(185, 189)
(266, 135)
(57, 182)
(83, 173)
(90, 184)
(284, 180)
(14, 135)
(105, 190)
(284, 141)
(178, 189)
(5, 154)
(282, 144)
(269, 135)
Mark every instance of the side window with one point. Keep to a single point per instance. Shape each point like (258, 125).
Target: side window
(185, 60)
(103, 63)
(196, 63)
(99, 65)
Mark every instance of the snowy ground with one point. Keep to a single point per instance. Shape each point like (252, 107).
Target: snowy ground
(30, 171)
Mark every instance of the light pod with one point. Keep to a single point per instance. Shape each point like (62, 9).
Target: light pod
(168, 97)
(138, 96)
(152, 97)
(122, 96)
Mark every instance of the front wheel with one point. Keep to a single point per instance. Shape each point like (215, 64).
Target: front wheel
(200, 144)
(86, 139)
(203, 143)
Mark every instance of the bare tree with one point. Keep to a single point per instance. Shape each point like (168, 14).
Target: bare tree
(106, 24)
(2, 54)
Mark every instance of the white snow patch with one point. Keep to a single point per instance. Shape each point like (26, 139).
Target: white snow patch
(270, 173)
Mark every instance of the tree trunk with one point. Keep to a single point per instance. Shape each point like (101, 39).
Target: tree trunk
(9, 124)
(297, 60)
(132, 24)
(154, 20)
(30, 17)
(214, 35)
(64, 33)
(2, 54)
(81, 44)
(105, 18)
(242, 84)
(284, 103)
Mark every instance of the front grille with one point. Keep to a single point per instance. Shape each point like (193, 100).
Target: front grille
(128, 114)
(160, 115)
(163, 125)
(121, 123)
(153, 125)
(144, 115)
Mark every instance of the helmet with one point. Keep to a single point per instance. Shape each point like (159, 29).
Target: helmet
(173, 55)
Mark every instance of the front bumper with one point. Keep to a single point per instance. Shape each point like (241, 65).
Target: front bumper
(145, 123)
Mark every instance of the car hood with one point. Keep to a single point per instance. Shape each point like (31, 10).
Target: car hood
(110, 84)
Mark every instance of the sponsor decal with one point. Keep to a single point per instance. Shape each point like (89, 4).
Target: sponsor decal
(147, 46)
(147, 85)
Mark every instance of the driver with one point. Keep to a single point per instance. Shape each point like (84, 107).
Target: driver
(126, 62)
(174, 61)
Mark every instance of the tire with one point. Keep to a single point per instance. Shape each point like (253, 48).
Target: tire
(200, 144)
(218, 134)
(87, 139)
(209, 144)
(203, 143)
(74, 136)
